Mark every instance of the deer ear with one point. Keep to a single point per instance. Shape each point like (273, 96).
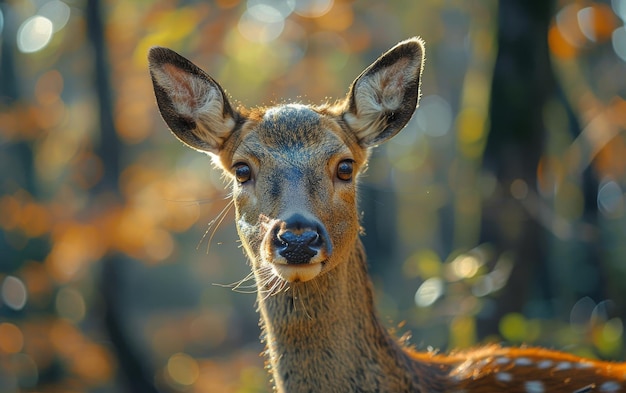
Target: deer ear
(383, 98)
(192, 104)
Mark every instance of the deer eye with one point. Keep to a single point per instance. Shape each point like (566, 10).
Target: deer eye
(243, 173)
(344, 170)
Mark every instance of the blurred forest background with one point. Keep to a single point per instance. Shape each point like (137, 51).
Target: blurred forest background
(497, 215)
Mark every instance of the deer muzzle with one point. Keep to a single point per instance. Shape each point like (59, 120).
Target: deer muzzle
(297, 247)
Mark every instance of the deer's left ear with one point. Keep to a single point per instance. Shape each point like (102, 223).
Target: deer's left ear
(383, 98)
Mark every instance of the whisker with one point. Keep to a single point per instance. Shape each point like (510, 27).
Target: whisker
(196, 202)
(265, 278)
(295, 291)
(304, 308)
(277, 287)
(239, 284)
(214, 224)
(317, 286)
(245, 292)
(249, 277)
(266, 294)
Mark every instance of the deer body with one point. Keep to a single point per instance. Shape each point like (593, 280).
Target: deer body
(294, 170)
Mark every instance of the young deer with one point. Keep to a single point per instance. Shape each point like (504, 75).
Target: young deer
(294, 170)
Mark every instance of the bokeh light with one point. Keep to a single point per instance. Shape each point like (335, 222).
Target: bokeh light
(516, 328)
(57, 12)
(14, 293)
(619, 7)
(465, 266)
(26, 370)
(182, 369)
(70, 305)
(284, 7)
(261, 23)
(11, 338)
(568, 24)
(434, 115)
(581, 312)
(611, 199)
(519, 189)
(618, 40)
(313, 8)
(34, 34)
(429, 292)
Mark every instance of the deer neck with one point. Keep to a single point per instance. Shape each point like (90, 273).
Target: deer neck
(324, 335)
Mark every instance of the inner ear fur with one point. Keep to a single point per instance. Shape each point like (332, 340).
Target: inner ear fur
(383, 98)
(194, 106)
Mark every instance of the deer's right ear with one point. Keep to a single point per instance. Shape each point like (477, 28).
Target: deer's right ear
(192, 104)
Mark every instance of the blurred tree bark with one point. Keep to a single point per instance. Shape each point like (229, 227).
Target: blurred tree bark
(546, 268)
(8, 77)
(109, 147)
(135, 371)
(523, 82)
(17, 155)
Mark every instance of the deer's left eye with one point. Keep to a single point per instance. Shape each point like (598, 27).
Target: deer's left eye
(243, 173)
(345, 169)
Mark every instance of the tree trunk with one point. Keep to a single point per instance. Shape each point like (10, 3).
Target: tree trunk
(523, 82)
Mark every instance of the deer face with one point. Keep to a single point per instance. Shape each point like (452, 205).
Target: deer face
(294, 191)
(294, 167)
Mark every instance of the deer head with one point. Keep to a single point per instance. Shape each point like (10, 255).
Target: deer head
(293, 167)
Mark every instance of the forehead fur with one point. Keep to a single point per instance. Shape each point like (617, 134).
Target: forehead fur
(299, 134)
(290, 126)
(296, 133)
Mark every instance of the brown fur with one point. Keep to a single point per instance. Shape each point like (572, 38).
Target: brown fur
(318, 319)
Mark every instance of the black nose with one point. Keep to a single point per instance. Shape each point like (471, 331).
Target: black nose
(298, 239)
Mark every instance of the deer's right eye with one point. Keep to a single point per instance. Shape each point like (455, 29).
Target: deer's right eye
(243, 173)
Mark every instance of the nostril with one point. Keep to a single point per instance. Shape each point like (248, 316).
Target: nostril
(277, 238)
(299, 240)
(315, 241)
(297, 248)
(287, 237)
(308, 238)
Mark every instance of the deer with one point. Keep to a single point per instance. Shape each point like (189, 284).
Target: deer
(294, 170)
